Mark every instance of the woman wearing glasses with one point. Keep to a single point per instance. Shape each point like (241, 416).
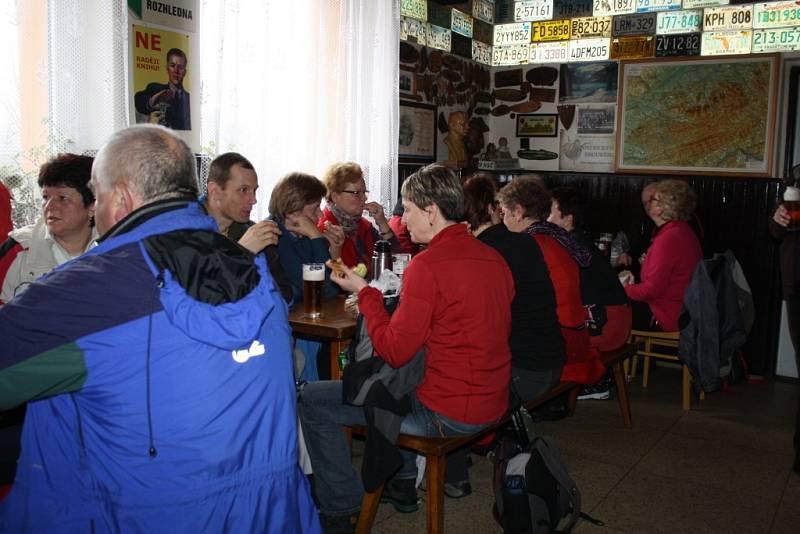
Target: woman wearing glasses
(345, 202)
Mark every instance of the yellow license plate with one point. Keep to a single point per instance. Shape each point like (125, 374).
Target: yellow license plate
(551, 30)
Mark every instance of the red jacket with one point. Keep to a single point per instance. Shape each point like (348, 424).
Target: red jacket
(456, 302)
(666, 272)
(583, 362)
(357, 249)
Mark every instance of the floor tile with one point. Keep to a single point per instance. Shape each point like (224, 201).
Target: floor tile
(787, 520)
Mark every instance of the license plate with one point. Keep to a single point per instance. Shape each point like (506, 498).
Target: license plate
(776, 14)
(482, 53)
(687, 44)
(417, 9)
(633, 47)
(591, 27)
(510, 55)
(510, 34)
(555, 52)
(563, 9)
(482, 31)
(603, 8)
(776, 40)
(551, 30)
(643, 6)
(439, 37)
(589, 49)
(413, 30)
(461, 23)
(484, 10)
(727, 18)
(531, 10)
(726, 43)
(439, 16)
(679, 21)
(638, 24)
(693, 4)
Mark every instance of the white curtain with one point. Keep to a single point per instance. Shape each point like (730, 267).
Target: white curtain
(298, 85)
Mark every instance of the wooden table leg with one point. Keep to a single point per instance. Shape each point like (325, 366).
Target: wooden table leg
(369, 508)
(622, 395)
(435, 483)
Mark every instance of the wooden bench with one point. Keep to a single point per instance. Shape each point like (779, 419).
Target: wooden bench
(435, 450)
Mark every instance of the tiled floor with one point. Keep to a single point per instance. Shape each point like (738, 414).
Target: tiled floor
(723, 467)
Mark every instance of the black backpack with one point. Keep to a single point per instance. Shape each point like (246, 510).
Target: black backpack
(534, 493)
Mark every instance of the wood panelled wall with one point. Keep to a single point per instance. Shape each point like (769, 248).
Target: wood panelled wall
(734, 212)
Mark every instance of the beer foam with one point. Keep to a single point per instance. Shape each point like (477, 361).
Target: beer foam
(313, 274)
(791, 194)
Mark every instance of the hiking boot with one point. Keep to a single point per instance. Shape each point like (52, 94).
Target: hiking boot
(338, 524)
(598, 391)
(402, 494)
(457, 489)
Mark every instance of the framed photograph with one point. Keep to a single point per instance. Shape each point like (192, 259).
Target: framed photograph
(407, 82)
(537, 125)
(417, 136)
(594, 120)
(697, 116)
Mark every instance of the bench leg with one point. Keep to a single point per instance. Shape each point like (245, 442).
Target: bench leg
(369, 507)
(435, 487)
(687, 402)
(622, 395)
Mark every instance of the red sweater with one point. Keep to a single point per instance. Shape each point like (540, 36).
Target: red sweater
(666, 272)
(357, 249)
(456, 302)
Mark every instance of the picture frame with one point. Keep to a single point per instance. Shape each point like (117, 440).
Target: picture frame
(407, 83)
(417, 133)
(537, 125)
(710, 116)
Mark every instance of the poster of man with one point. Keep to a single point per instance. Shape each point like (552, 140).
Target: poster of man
(160, 78)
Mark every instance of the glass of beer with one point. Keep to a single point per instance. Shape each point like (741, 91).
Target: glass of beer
(313, 280)
(791, 201)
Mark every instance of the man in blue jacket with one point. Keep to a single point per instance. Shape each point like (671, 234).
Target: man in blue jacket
(158, 369)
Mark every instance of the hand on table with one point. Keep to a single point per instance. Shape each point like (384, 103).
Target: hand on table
(348, 280)
(781, 216)
(260, 235)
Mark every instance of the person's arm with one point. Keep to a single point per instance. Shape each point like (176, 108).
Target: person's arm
(778, 223)
(656, 271)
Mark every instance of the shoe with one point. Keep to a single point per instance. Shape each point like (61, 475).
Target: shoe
(402, 494)
(595, 391)
(552, 411)
(338, 524)
(457, 490)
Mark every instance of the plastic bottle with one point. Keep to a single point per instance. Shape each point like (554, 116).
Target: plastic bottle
(343, 359)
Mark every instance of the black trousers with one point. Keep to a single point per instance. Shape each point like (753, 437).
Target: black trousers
(793, 320)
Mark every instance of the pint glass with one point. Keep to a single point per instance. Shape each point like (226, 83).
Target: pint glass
(313, 280)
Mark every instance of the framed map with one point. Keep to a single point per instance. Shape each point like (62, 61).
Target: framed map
(697, 116)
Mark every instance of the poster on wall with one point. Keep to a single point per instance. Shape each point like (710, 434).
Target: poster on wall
(588, 82)
(711, 116)
(160, 78)
(176, 14)
(417, 133)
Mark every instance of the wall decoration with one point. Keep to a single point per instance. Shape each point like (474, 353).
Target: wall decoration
(706, 116)
(596, 120)
(417, 137)
(588, 82)
(408, 83)
(538, 125)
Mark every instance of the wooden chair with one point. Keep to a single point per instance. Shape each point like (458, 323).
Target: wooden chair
(652, 345)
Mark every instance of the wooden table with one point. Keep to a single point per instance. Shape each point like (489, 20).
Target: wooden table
(335, 326)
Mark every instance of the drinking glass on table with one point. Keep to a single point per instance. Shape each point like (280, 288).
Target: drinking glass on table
(313, 280)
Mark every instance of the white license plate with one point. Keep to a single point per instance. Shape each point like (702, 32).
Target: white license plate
(591, 27)
(776, 40)
(413, 30)
(644, 6)
(589, 49)
(511, 34)
(554, 52)
(439, 37)
(687, 21)
(692, 4)
(461, 23)
(604, 8)
(727, 18)
(530, 10)
(482, 53)
(776, 14)
(417, 9)
(726, 43)
(510, 55)
(484, 10)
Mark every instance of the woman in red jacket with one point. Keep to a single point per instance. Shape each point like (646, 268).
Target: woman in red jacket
(670, 260)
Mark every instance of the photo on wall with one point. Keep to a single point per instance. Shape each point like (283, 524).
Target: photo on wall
(588, 82)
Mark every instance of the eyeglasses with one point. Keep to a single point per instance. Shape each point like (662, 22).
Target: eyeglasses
(357, 193)
(649, 200)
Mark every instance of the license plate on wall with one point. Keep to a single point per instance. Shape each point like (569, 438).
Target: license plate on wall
(726, 43)
(482, 53)
(657, 5)
(686, 21)
(572, 8)
(554, 52)
(439, 37)
(638, 24)
(531, 10)
(776, 40)
(589, 49)
(692, 4)
(510, 55)
(551, 30)
(678, 45)
(484, 10)
(633, 47)
(590, 27)
(727, 18)
(461, 23)
(602, 8)
(776, 14)
(417, 9)
(512, 34)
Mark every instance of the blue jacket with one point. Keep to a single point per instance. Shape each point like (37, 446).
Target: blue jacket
(159, 365)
